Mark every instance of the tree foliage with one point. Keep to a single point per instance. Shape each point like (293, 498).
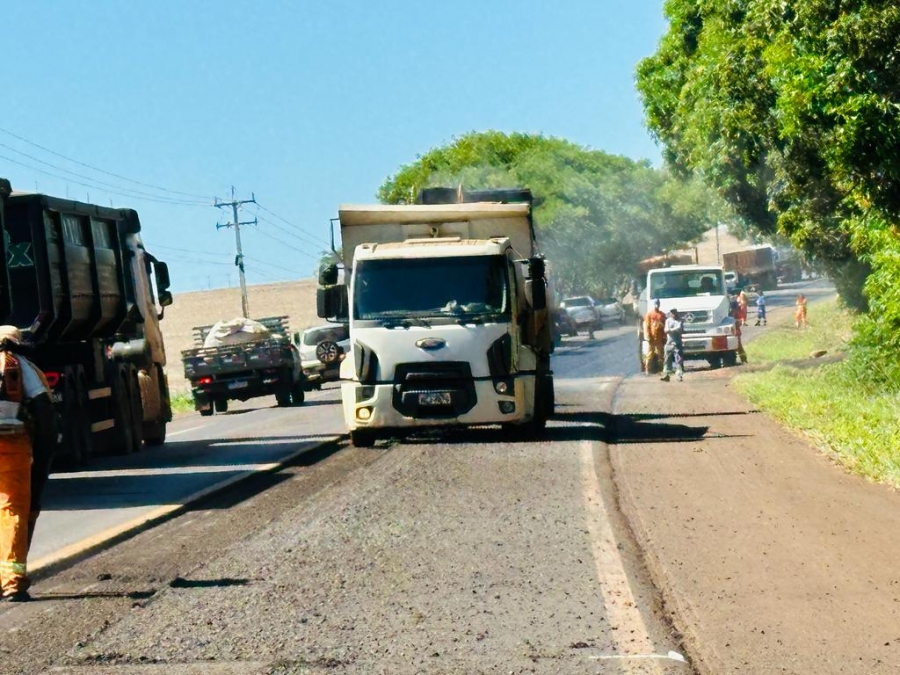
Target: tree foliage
(791, 109)
(596, 214)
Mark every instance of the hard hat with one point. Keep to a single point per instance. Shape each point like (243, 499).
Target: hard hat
(10, 333)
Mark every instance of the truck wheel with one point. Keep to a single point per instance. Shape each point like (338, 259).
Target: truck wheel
(715, 362)
(362, 438)
(729, 359)
(283, 398)
(137, 412)
(154, 433)
(298, 394)
(76, 423)
(123, 428)
(207, 412)
(221, 405)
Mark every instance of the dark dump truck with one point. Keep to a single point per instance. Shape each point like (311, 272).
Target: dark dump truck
(260, 364)
(755, 266)
(77, 280)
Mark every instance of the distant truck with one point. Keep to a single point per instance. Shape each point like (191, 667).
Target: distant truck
(243, 359)
(755, 266)
(77, 280)
(448, 314)
(698, 293)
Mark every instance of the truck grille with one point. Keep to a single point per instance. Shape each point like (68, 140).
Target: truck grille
(413, 382)
(697, 316)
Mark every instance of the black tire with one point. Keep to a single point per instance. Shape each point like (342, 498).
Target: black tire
(328, 352)
(76, 423)
(283, 398)
(362, 438)
(715, 362)
(729, 359)
(221, 405)
(123, 429)
(137, 412)
(208, 412)
(298, 394)
(154, 433)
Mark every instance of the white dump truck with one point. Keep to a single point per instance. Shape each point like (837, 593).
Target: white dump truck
(699, 294)
(447, 308)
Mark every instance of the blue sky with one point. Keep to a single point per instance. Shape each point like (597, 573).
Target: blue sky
(307, 105)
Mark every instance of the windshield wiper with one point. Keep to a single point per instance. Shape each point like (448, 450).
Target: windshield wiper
(405, 322)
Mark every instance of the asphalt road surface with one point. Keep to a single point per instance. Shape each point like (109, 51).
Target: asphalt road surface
(657, 528)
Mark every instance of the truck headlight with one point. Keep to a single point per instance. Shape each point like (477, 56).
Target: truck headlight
(726, 326)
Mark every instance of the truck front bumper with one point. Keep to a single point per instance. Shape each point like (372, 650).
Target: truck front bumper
(373, 406)
(703, 346)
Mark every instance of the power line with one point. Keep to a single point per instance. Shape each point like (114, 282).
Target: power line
(159, 200)
(100, 182)
(99, 170)
(297, 227)
(284, 243)
(265, 263)
(309, 241)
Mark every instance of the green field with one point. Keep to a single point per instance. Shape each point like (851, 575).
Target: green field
(826, 400)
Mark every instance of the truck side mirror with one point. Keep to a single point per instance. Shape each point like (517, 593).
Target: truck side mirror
(165, 298)
(332, 303)
(162, 279)
(536, 271)
(328, 275)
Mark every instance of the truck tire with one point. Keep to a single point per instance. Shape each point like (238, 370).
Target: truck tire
(137, 411)
(283, 398)
(153, 402)
(221, 405)
(362, 438)
(208, 412)
(76, 422)
(122, 433)
(298, 394)
(729, 359)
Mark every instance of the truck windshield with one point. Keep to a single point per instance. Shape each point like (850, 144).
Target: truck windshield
(686, 283)
(465, 286)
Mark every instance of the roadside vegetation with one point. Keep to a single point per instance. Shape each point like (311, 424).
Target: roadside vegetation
(182, 402)
(596, 214)
(791, 111)
(837, 404)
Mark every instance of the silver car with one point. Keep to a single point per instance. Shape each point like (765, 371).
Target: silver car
(322, 348)
(610, 309)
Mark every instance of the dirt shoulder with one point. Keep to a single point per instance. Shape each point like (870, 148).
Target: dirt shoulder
(770, 558)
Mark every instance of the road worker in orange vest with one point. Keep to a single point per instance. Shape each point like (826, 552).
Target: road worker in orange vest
(20, 383)
(655, 334)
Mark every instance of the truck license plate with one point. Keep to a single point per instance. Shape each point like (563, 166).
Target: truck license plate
(240, 384)
(435, 398)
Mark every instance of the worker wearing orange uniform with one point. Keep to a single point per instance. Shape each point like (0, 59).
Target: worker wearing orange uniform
(655, 334)
(800, 314)
(21, 381)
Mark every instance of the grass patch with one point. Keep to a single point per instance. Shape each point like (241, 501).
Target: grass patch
(181, 402)
(858, 424)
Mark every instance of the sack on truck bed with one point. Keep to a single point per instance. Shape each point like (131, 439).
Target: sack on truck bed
(236, 332)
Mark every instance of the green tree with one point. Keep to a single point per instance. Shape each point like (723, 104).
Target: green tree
(597, 214)
(792, 111)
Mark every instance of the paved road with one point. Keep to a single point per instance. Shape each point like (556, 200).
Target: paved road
(115, 493)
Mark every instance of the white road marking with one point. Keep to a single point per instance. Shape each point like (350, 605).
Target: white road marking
(632, 640)
(184, 431)
(671, 656)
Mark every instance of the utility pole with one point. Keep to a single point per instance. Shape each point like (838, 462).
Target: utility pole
(239, 258)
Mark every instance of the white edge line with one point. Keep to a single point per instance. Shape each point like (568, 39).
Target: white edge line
(184, 431)
(671, 656)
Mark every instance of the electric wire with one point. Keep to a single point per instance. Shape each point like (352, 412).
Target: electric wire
(99, 170)
(284, 243)
(159, 200)
(293, 225)
(97, 181)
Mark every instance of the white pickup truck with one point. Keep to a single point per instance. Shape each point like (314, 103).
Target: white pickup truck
(698, 293)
